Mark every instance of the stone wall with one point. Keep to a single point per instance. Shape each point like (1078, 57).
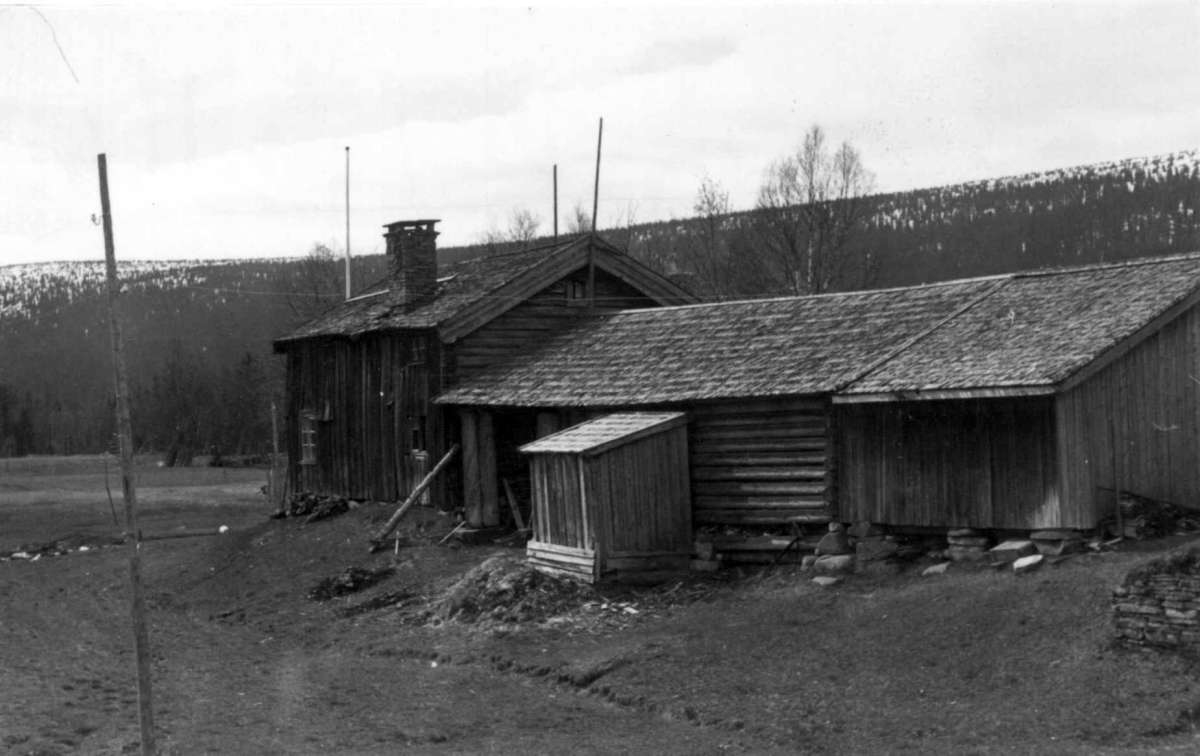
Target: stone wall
(1159, 603)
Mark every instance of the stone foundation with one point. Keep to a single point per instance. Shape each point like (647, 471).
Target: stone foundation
(1159, 603)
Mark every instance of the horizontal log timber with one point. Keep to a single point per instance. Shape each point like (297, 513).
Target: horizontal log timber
(766, 489)
(755, 473)
(815, 406)
(763, 421)
(762, 502)
(758, 460)
(799, 512)
(754, 432)
(751, 446)
(742, 518)
(554, 568)
(554, 548)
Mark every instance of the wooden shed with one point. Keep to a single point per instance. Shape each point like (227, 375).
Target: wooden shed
(611, 497)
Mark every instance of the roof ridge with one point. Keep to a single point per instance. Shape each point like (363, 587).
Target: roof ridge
(827, 294)
(1131, 263)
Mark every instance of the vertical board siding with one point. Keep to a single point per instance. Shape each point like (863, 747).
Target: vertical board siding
(1140, 413)
(630, 502)
(979, 463)
(368, 396)
(760, 462)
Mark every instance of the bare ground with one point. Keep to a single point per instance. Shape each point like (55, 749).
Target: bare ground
(760, 662)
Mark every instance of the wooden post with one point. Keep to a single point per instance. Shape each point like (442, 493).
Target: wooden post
(472, 491)
(595, 210)
(141, 641)
(488, 482)
(556, 203)
(276, 497)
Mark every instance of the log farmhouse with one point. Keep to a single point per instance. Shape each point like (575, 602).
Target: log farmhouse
(1007, 403)
(360, 420)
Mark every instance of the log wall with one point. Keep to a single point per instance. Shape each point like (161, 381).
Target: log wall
(545, 313)
(761, 462)
(989, 463)
(370, 400)
(1135, 424)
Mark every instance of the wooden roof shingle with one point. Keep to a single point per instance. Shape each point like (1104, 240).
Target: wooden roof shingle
(767, 347)
(479, 288)
(1027, 332)
(603, 433)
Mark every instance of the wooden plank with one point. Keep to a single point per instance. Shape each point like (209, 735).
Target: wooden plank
(751, 488)
(765, 459)
(758, 502)
(797, 432)
(472, 488)
(488, 478)
(738, 518)
(749, 473)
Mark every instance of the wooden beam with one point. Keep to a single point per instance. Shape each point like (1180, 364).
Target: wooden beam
(488, 481)
(472, 491)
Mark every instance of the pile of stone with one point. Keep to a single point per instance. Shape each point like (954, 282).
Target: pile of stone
(1158, 604)
(1057, 542)
(967, 545)
(313, 507)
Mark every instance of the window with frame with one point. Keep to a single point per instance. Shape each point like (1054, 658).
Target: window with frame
(576, 292)
(308, 437)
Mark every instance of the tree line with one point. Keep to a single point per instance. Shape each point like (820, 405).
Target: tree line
(198, 341)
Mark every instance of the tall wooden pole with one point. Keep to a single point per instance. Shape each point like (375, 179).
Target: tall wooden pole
(141, 641)
(595, 210)
(556, 203)
(347, 222)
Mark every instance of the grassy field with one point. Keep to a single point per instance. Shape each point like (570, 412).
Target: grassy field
(971, 662)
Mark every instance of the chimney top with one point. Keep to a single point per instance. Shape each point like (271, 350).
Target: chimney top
(412, 225)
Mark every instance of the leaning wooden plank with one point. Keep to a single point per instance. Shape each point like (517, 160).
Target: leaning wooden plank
(512, 503)
(378, 539)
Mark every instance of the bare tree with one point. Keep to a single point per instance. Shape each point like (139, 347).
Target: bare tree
(809, 206)
(622, 234)
(711, 206)
(579, 221)
(316, 284)
(523, 225)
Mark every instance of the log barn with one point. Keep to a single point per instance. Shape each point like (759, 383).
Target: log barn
(1012, 402)
(360, 421)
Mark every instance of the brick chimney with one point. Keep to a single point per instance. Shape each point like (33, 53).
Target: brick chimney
(412, 261)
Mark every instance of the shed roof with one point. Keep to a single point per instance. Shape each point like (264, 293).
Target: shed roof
(603, 433)
(1020, 333)
(481, 287)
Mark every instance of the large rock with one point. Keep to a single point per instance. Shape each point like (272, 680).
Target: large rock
(834, 542)
(936, 569)
(872, 549)
(865, 530)
(1028, 563)
(967, 553)
(1012, 550)
(962, 532)
(826, 581)
(834, 563)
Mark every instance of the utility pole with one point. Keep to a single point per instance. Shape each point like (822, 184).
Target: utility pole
(141, 641)
(347, 221)
(595, 210)
(556, 203)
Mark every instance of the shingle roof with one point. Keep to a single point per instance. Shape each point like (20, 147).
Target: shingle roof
(1022, 330)
(1038, 328)
(461, 285)
(769, 347)
(595, 436)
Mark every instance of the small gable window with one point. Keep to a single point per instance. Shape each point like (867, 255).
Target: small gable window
(576, 292)
(308, 437)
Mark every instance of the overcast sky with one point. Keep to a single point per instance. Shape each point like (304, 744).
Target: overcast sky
(225, 128)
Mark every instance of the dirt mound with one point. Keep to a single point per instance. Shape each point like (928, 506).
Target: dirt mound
(506, 589)
(314, 507)
(349, 580)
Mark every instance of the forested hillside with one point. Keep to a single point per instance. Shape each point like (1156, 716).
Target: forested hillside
(199, 332)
